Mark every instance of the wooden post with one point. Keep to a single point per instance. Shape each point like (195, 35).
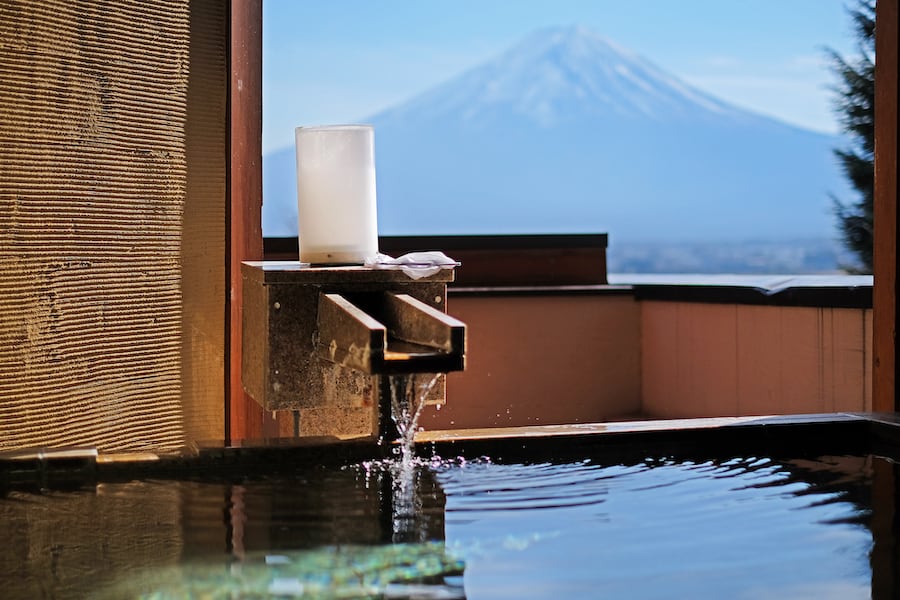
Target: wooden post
(244, 417)
(885, 245)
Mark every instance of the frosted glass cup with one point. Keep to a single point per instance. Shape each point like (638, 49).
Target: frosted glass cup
(336, 211)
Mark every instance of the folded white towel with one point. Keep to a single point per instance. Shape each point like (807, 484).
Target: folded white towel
(414, 264)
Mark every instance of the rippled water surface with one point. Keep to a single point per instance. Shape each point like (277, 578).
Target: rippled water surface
(744, 528)
(739, 528)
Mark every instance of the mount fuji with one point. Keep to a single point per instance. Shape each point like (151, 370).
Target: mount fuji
(568, 132)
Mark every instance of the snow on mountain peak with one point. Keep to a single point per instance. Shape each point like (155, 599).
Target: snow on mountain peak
(562, 73)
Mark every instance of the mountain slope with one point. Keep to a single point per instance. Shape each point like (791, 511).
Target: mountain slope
(557, 76)
(566, 132)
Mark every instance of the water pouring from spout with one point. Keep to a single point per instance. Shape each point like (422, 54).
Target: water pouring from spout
(408, 397)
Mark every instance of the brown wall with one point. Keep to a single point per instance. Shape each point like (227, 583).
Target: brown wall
(703, 360)
(562, 358)
(112, 222)
(543, 359)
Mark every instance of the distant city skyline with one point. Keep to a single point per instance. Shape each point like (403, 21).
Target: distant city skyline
(347, 60)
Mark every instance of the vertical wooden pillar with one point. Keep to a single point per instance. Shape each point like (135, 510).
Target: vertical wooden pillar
(885, 250)
(244, 417)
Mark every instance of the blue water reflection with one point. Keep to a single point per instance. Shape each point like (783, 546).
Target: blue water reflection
(745, 528)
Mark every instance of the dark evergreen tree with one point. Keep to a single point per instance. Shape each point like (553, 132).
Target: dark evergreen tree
(855, 104)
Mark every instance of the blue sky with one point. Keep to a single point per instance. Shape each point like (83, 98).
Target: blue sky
(343, 60)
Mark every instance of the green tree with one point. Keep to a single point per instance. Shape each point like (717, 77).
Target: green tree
(855, 105)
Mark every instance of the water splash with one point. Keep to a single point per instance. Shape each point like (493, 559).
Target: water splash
(405, 478)
(401, 475)
(408, 395)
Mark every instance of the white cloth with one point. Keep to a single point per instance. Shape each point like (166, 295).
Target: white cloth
(414, 264)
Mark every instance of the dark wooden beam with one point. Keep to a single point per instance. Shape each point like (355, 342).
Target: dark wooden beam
(885, 250)
(244, 417)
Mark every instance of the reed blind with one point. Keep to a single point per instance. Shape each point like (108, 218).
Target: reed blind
(112, 222)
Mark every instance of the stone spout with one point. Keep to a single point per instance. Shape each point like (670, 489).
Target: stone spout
(321, 341)
(396, 334)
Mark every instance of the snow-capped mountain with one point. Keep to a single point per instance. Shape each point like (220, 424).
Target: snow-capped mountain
(567, 132)
(561, 75)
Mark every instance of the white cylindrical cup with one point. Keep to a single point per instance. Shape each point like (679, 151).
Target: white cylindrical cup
(336, 209)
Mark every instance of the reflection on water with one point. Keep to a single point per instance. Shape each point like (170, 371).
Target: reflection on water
(739, 528)
(352, 571)
(57, 544)
(742, 528)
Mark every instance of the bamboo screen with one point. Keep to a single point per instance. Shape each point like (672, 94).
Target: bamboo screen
(112, 222)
